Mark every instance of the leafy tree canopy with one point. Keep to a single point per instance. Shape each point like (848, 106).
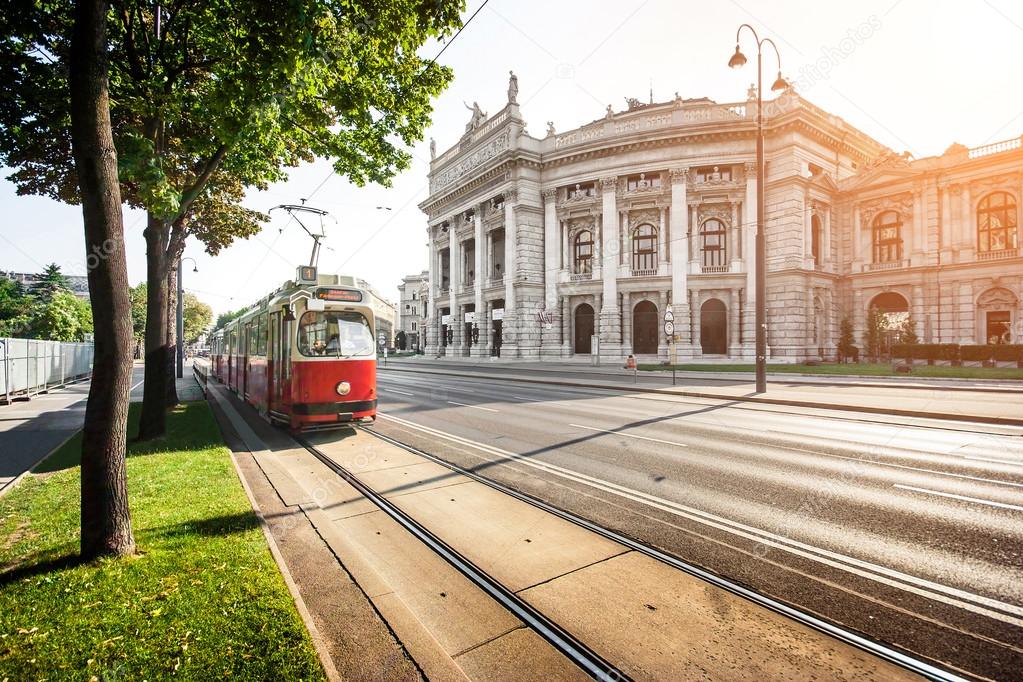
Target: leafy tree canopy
(197, 317)
(224, 318)
(229, 94)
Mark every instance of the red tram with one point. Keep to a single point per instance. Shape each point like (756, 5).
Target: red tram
(305, 355)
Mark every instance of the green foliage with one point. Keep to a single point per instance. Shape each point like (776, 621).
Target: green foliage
(908, 333)
(65, 317)
(137, 295)
(233, 93)
(197, 317)
(874, 331)
(224, 318)
(203, 600)
(846, 342)
(49, 311)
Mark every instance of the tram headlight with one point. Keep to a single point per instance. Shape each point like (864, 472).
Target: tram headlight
(344, 388)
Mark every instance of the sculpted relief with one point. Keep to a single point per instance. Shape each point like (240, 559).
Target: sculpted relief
(476, 158)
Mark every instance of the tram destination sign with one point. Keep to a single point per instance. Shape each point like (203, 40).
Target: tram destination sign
(342, 295)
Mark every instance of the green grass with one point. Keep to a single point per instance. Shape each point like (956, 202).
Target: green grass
(851, 369)
(203, 599)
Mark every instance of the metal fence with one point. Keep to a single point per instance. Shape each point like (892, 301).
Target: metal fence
(28, 366)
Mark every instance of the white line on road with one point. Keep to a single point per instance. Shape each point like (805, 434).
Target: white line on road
(394, 390)
(961, 497)
(996, 461)
(987, 606)
(630, 435)
(475, 407)
(136, 385)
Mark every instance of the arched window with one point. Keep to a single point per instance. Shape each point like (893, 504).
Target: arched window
(712, 243)
(996, 222)
(887, 237)
(644, 248)
(815, 239)
(582, 255)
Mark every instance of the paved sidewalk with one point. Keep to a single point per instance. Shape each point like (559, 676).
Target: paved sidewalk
(31, 429)
(994, 407)
(648, 619)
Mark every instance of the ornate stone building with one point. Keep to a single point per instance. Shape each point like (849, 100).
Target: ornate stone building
(412, 303)
(578, 242)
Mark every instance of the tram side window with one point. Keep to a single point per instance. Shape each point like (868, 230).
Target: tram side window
(344, 334)
(261, 336)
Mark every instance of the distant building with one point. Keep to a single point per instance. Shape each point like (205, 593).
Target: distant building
(412, 309)
(79, 283)
(385, 313)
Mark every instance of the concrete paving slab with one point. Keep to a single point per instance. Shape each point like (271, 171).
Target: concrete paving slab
(517, 543)
(404, 480)
(658, 623)
(519, 655)
(290, 491)
(427, 652)
(359, 452)
(329, 491)
(457, 613)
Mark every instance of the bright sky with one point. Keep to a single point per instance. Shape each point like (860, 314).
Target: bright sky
(915, 74)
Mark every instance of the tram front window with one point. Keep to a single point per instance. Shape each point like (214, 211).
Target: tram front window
(341, 334)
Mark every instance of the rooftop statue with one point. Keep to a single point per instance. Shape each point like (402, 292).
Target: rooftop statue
(478, 117)
(513, 87)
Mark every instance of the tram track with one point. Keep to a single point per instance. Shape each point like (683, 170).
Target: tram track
(576, 651)
(563, 641)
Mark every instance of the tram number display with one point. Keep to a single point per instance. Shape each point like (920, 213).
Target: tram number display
(343, 295)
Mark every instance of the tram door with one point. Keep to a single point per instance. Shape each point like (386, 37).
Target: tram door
(273, 362)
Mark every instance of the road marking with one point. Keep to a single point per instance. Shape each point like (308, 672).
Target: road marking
(996, 461)
(986, 606)
(394, 390)
(136, 385)
(991, 503)
(475, 407)
(630, 435)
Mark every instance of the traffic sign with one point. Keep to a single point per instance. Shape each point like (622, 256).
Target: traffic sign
(669, 316)
(669, 328)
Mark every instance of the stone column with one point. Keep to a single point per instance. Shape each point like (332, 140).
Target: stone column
(479, 349)
(857, 233)
(454, 284)
(967, 241)
(734, 237)
(566, 327)
(946, 225)
(662, 340)
(697, 303)
(510, 325)
(734, 349)
(918, 237)
(825, 216)
(551, 247)
(429, 334)
(626, 318)
(610, 337)
(679, 228)
(662, 240)
(918, 307)
(807, 232)
(749, 315)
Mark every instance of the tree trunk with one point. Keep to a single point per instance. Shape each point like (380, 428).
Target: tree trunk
(172, 334)
(105, 516)
(153, 421)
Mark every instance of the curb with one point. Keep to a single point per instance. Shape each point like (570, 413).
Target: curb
(307, 619)
(946, 416)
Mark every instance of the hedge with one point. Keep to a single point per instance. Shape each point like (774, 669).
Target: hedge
(953, 352)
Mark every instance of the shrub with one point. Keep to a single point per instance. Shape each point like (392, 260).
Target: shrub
(976, 353)
(1008, 352)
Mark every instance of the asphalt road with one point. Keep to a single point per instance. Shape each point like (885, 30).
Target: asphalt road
(908, 531)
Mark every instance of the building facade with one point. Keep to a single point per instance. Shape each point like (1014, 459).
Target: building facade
(579, 243)
(414, 294)
(385, 315)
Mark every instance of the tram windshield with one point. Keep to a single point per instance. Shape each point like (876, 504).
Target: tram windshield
(335, 333)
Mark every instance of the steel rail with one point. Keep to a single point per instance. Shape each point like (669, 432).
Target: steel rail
(890, 654)
(588, 660)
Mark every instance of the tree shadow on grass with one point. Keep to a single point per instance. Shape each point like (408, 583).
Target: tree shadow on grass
(214, 526)
(22, 571)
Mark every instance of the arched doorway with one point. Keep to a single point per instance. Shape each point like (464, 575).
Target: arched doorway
(891, 322)
(714, 327)
(583, 329)
(644, 328)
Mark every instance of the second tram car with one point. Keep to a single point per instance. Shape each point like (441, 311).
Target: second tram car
(305, 355)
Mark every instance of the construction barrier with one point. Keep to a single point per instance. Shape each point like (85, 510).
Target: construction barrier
(29, 366)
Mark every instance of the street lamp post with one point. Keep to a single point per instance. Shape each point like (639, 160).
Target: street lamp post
(738, 59)
(181, 316)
